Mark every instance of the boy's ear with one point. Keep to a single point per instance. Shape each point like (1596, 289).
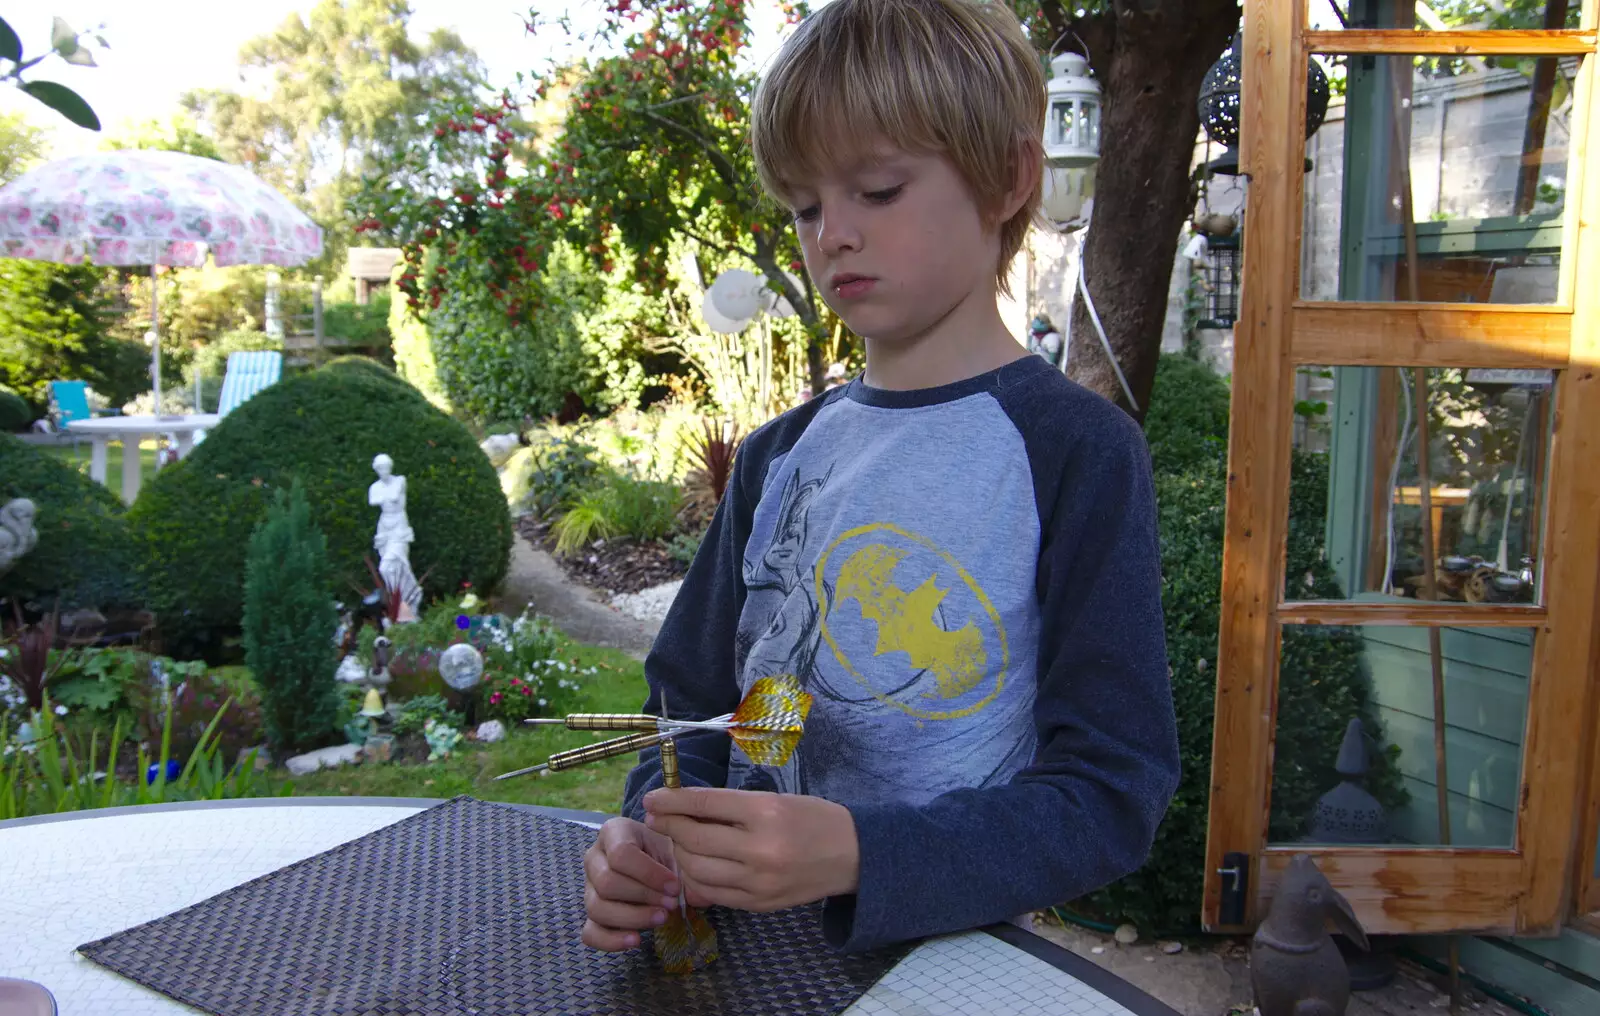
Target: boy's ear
(1027, 167)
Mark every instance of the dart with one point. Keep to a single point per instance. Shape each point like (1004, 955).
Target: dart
(686, 940)
(574, 757)
(766, 726)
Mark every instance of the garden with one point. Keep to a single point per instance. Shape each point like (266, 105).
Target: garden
(579, 332)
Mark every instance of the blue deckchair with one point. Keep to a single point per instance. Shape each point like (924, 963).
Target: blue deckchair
(69, 401)
(247, 374)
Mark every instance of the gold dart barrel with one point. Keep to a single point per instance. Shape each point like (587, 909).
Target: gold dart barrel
(574, 757)
(669, 765)
(612, 721)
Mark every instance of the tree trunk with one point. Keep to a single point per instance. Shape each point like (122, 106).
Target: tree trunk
(1150, 57)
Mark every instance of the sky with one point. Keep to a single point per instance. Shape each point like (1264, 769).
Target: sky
(162, 48)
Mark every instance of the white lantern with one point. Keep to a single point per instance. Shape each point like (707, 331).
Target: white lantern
(1071, 137)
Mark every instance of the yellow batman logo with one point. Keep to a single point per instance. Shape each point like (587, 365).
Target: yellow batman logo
(906, 623)
(960, 660)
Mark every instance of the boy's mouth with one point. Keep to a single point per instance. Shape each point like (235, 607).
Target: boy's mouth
(850, 285)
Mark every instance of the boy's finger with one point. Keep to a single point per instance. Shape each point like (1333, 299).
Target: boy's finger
(713, 839)
(623, 916)
(708, 874)
(605, 939)
(708, 804)
(631, 861)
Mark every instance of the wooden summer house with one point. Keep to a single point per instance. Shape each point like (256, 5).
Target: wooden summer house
(1459, 338)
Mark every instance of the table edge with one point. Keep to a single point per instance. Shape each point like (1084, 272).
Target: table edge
(1120, 991)
(418, 803)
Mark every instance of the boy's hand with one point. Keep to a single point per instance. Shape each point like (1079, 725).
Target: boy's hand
(629, 884)
(754, 850)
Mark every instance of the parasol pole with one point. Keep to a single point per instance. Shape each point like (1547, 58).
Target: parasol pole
(155, 331)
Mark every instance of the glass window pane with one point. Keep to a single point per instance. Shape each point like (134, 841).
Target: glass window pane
(1470, 153)
(1378, 784)
(1443, 15)
(1488, 445)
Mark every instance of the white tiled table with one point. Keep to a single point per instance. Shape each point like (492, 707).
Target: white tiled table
(70, 879)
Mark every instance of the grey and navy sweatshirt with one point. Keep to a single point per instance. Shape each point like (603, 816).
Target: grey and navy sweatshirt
(967, 581)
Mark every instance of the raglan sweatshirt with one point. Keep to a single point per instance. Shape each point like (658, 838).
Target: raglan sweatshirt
(966, 579)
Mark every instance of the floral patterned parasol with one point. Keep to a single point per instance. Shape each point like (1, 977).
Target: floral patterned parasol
(151, 208)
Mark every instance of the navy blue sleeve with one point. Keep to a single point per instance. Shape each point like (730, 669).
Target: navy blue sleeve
(692, 658)
(1084, 812)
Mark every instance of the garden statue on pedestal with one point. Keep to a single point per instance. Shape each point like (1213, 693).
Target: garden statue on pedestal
(394, 536)
(17, 534)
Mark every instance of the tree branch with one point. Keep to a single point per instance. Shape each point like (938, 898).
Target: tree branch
(719, 162)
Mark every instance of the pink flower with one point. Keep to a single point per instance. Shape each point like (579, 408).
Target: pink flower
(495, 698)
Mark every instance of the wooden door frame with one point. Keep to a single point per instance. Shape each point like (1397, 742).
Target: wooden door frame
(1530, 888)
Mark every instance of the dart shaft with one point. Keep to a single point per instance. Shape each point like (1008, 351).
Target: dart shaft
(611, 721)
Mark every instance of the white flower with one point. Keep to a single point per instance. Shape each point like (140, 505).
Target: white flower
(61, 710)
(543, 703)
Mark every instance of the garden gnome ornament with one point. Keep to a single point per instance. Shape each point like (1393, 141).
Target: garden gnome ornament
(17, 533)
(394, 536)
(1044, 340)
(1296, 969)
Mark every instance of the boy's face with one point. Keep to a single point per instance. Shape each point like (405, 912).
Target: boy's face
(895, 243)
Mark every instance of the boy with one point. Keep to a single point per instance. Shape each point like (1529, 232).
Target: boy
(954, 552)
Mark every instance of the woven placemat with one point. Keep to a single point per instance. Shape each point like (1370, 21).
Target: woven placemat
(467, 907)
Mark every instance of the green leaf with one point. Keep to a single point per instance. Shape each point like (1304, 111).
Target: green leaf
(64, 101)
(10, 45)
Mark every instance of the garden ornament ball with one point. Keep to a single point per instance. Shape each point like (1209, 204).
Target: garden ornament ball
(461, 666)
(737, 294)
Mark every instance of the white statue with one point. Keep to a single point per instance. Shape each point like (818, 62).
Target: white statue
(17, 534)
(394, 536)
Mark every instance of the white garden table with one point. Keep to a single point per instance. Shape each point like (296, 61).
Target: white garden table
(73, 878)
(130, 430)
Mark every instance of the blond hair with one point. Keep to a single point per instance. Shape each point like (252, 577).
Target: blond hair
(957, 78)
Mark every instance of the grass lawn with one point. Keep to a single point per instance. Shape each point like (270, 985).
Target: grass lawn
(78, 458)
(618, 688)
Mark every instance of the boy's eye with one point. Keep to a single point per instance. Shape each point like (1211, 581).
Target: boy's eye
(883, 197)
(807, 214)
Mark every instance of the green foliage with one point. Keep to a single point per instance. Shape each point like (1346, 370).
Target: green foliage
(365, 326)
(562, 470)
(15, 413)
(621, 506)
(416, 711)
(61, 772)
(179, 133)
(359, 366)
(64, 43)
(21, 145)
(289, 622)
(413, 352)
(524, 678)
(324, 428)
(584, 335)
(56, 325)
(1322, 680)
(83, 557)
(349, 85)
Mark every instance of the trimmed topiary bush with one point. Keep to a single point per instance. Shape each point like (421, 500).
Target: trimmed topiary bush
(83, 558)
(193, 520)
(288, 625)
(365, 366)
(15, 413)
(1322, 680)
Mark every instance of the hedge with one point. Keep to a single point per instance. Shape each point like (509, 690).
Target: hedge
(365, 366)
(1322, 683)
(83, 558)
(192, 522)
(15, 413)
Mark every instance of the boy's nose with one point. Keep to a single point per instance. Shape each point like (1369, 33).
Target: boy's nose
(837, 234)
